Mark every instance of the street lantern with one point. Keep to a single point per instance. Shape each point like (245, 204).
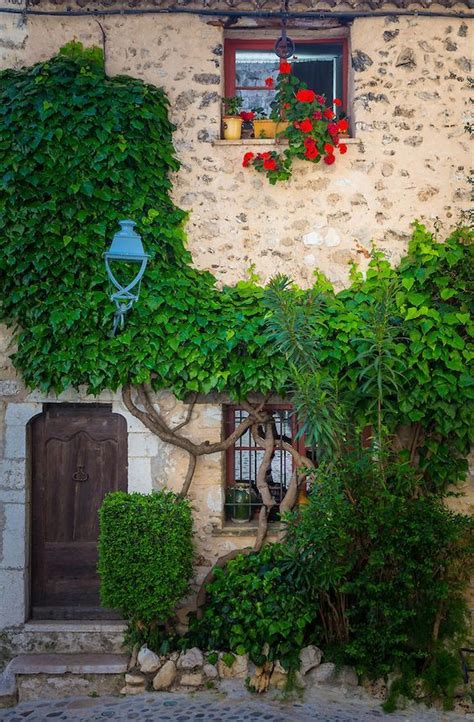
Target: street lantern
(126, 247)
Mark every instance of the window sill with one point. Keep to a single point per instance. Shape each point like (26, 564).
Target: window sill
(271, 141)
(247, 529)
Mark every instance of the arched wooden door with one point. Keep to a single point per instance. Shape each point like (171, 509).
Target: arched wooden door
(78, 454)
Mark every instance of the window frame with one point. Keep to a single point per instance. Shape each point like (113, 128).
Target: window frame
(229, 426)
(233, 44)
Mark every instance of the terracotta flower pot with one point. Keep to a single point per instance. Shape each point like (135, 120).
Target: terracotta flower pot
(264, 128)
(232, 126)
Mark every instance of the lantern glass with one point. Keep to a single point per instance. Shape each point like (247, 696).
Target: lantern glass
(126, 253)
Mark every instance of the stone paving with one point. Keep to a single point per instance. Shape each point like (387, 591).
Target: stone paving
(216, 707)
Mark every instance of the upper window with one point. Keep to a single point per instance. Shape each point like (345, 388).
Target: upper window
(321, 64)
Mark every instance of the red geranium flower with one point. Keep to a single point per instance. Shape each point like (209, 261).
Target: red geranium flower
(318, 115)
(305, 96)
(264, 155)
(308, 141)
(329, 159)
(306, 126)
(329, 148)
(269, 164)
(332, 128)
(287, 105)
(343, 125)
(321, 99)
(328, 114)
(247, 158)
(311, 152)
(285, 67)
(269, 82)
(337, 102)
(247, 115)
(343, 148)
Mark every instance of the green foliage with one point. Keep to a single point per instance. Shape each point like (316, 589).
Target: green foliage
(80, 151)
(250, 604)
(385, 565)
(145, 557)
(394, 346)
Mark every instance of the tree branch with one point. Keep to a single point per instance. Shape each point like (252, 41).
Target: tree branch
(188, 415)
(189, 476)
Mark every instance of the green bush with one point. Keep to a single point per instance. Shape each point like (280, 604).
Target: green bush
(145, 555)
(250, 604)
(385, 565)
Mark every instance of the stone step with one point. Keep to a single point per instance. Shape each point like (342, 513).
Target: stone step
(84, 636)
(32, 676)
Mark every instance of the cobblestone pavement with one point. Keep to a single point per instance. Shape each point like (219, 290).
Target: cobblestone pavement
(214, 707)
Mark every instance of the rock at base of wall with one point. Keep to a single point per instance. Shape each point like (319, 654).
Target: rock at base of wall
(165, 676)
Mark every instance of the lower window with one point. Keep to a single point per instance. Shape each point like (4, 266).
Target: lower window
(243, 501)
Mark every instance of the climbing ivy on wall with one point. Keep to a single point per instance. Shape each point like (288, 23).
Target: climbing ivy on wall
(78, 152)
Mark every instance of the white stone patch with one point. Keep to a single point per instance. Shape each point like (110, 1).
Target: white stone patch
(215, 499)
(310, 260)
(211, 416)
(313, 239)
(139, 475)
(142, 445)
(332, 237)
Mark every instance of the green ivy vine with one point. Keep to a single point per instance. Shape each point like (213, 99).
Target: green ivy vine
(78, 152)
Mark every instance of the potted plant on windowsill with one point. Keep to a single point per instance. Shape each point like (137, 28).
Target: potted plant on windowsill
(313, 132)
(247, 123)
(263, 127)
(231, 120)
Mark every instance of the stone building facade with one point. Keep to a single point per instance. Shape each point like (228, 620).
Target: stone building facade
(407, 158)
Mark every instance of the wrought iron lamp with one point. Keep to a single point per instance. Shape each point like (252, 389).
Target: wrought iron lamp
(284, 46)
(126, 246)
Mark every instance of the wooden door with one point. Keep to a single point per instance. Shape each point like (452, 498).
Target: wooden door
(78, 454)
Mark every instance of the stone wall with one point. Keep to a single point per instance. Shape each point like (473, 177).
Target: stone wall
(409, 93)
(408, 159)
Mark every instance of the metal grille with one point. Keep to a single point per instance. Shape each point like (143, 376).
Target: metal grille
(245, 457)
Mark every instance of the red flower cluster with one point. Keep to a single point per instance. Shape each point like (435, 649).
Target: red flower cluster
(306, 96)
(247, 115)
(328, 113)
(269, 82)
(305, 126)
(285, 68)
(343, 125)
(311, 151)
(246, 159)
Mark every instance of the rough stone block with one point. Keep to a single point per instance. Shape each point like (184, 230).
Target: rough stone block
(165, 676)
(194, 679)
(148, 661)
(12, 536)
(191, 659)
(310, 657)
(20, 414)
(8, 387)
(15, 442)
(12, 594)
